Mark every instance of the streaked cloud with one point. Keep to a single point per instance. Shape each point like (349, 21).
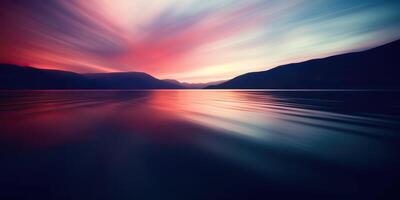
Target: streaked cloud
(189, 40)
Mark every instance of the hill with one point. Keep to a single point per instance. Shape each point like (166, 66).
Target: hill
(13, 77)
(377, 68)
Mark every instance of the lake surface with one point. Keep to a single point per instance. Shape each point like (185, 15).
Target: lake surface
(199, 144)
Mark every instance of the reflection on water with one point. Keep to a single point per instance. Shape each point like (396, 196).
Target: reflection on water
(199, 144)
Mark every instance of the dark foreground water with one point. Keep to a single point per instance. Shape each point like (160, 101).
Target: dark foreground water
(199, 145)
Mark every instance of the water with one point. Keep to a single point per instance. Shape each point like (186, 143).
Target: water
(199, 144)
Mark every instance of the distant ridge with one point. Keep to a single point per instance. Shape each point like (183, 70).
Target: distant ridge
(13, 77)
(377, 68)
(194, 85)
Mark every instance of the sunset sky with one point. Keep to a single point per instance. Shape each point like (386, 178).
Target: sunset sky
(189, 40)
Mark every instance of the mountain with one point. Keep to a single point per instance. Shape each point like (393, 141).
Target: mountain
(16, 77)
(194, 85)
(129, 80)
(377, 68)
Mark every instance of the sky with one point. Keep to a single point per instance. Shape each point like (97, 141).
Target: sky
(189, 40)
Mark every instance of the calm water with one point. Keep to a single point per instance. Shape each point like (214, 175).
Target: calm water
(199, 144)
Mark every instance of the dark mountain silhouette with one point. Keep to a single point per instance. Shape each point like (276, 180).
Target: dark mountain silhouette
(17, 77)
(377, 68)
(129, 80)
